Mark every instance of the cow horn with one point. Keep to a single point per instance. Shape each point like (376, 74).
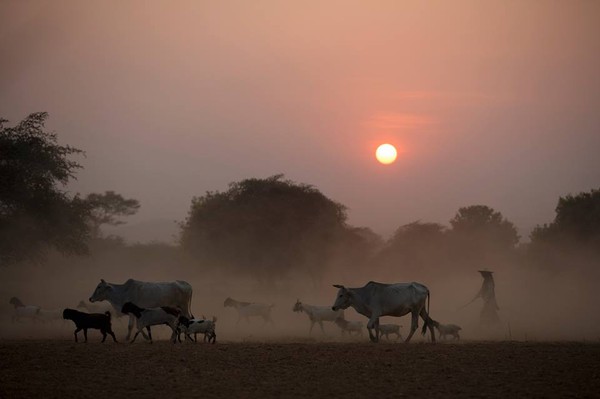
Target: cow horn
(338, 286)
(102, 280)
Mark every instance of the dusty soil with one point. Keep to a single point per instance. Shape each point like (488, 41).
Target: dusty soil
(63, 369)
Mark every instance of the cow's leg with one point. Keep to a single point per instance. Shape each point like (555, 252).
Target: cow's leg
(130, 327)
(103, 335)
(428, 323)
(312, 324)
(135, 336)
(321, 325)
(413, 325)
(174, 334)
(149, 333)
(373, 323)
(76, 331)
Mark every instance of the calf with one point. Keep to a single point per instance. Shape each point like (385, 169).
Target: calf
(447, 329)
(83, 321)
(387, 329)
(350, 326)
(153, 317)
(195, 326)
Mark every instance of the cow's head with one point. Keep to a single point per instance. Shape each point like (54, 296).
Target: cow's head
(102, 291)
(298, 306)
(228, 302)
(343, 300)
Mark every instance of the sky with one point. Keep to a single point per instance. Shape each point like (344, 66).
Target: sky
(488, 102)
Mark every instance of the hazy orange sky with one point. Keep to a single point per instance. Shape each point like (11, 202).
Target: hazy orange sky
(488, 102)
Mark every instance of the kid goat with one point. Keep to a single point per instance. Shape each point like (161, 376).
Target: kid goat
(195, 326)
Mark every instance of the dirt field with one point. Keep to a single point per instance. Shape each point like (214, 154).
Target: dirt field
(59, 368)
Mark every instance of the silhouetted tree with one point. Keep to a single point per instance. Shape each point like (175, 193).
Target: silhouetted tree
(577, 218)
(480, 235)
(265, 228)
(414, 246)
(107, 208)
(573, 238)
(35, 214)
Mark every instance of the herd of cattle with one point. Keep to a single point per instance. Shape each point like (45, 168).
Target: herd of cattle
(169, 303)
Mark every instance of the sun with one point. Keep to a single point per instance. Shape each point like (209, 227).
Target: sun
(386, 154)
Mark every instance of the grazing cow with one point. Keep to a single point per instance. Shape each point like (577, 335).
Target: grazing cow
(376, 299)
(177, 294)
(387, 329)
(447, 329)
(350, 326)
(23, 311)
(153, 317)
(84, 321)
(317, 314)
(195, 326)
(250, 309)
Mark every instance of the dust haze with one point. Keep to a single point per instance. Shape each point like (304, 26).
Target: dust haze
(534, 304)
(493, 104)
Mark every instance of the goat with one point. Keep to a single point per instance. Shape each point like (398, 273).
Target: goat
(387, 329)
(350, 326)
(195, 326)
(24, 311)
(447, 329)
(153, 317)
(317, 314)
(84, 321)
(249, 309)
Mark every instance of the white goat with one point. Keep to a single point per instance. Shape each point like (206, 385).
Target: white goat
(350, 326)
(153, 317)
(195, 326)
(387, 329)
(318, 314)
(249, 309)
(22, 311)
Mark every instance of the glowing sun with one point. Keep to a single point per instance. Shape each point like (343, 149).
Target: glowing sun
(386, 154)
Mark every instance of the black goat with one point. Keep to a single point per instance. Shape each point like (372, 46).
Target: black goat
(83, 321)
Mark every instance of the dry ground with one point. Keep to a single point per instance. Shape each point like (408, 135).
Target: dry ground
(63, 369)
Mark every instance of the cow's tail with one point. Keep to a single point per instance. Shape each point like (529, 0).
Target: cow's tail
(427, 319)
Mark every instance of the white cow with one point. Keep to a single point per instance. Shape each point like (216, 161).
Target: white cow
(376, 299)
(318, 314)
(176, 294)
(99, 307)
(250, 309)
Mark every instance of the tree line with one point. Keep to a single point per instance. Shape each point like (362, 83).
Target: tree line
(264, 228)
